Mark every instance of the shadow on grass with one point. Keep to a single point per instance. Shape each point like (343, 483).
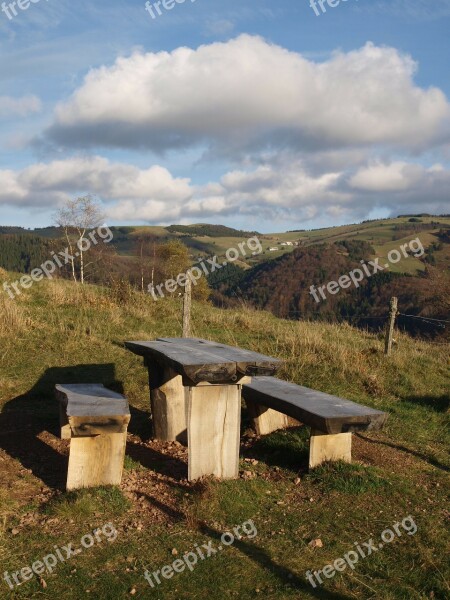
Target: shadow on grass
(257, 555)
(25, 419)
(140, 424)
(437, 403)
(287, 449)
(428, 459)
(155, 461)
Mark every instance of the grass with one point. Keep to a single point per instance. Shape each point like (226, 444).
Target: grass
(58, 332)
(348, 478)
(108, 501)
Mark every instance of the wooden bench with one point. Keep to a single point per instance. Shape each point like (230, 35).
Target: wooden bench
(271, 401)
(96, 420)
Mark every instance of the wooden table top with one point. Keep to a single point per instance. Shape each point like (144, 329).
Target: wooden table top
(205, 361)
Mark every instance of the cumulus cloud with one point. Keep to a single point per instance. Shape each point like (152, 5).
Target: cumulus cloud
(249, 94)
(280, 190)
(392, 177)
(402, 186)
(20, 107)
(47, 184)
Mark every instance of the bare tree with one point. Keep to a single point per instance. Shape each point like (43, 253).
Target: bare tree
(63, 219)
(79, 216)
(145, 250)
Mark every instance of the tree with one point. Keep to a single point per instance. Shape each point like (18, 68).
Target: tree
(77, 217)
(172, 259)
(145, 250)
(63, 220)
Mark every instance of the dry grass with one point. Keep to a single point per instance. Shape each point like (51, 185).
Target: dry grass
(13, 317)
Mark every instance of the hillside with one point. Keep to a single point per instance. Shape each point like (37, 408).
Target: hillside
(60, 332)
(284, 285)
(204, 239)
(279, 278)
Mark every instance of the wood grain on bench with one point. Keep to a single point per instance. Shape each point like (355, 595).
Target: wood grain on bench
(92, 409)
(320, 411)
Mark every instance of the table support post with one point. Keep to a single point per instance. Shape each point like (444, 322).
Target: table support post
(168, 404)
(214, 421)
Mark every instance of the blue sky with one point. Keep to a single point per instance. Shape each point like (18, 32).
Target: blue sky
(255, 114)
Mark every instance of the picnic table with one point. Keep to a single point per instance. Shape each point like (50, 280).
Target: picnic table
(195, 394)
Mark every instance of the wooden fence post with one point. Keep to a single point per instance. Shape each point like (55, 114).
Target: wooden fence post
(390, 326)
(187, 302)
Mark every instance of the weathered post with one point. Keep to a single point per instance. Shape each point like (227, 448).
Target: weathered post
(187, 302)
(390, 326)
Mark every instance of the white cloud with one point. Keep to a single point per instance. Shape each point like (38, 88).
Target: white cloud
(249, 94)
(392, 177)
(283, 189)
(20, 107)
(414, 181)
(49, 183)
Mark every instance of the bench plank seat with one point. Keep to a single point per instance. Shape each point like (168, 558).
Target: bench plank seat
(92, 409)
(320, 411)
(332, 419)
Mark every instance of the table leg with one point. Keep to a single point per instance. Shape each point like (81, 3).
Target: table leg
(168, 404)
(214, 421)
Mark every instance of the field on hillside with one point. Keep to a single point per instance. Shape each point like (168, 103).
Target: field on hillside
(378, 233)
(59, 332)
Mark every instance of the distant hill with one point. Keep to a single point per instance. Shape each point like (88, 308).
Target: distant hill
(282, 286)
(203, 229)
(278, 279)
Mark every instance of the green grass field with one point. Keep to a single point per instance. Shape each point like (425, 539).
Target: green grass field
(378, 233)
(58, 332)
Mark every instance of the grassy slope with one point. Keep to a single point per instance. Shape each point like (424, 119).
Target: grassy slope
(378, 233)
(56, 328)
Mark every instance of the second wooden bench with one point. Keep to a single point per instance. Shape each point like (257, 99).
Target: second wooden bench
(95, 420)
(271, 401)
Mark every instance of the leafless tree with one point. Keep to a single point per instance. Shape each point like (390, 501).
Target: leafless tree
(77, 217)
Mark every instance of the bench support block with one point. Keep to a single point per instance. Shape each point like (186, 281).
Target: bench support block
(96, 461)
(214, 422)
(266, 420)
(168, 406)
(329, 447)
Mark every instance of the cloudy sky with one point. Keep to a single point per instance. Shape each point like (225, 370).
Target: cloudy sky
(255, 114)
